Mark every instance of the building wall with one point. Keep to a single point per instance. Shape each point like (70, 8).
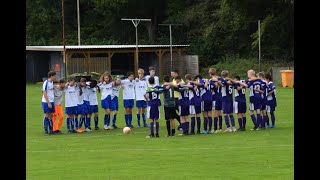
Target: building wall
(80, 65)
(56, 58)
(192, 62)
(148, 59)
(37, 66)
(39, 63)
(185, 64)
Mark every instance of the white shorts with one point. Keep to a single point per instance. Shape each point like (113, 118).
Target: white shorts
(202, 106)
(192, 109)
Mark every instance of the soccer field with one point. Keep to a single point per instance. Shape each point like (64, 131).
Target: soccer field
(109, 154)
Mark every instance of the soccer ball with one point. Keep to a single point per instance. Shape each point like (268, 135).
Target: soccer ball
(126, 130)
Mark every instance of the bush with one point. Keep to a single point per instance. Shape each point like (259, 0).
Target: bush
(240, 66)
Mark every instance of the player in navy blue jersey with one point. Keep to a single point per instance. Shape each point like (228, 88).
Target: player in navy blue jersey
(271, 100)
(210, 85)
(254, 85)
(199, 81)
(153, 113)
(227, 101)
(184, 103)
(264, 88)
(217, 102)
(240, 105)
(195, 102)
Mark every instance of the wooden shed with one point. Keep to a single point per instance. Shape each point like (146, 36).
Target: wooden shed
(117, 59)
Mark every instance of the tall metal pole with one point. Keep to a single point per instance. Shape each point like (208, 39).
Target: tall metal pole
(64, 42)
(136, 22)
(171, 64)
(78, 15)
(259, 46)
(136, 54)
(171, 59)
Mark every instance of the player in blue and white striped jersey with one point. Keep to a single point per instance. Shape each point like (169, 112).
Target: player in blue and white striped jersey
(227, 101)
(240, 105)
(217, 102)
(195, 102)
(271, 99)
(153, 113)
(199, 82)
(255, 92)
(184, 103)
(264, 88)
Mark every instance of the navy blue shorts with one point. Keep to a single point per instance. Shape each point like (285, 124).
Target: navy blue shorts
(263, 105)
(198, 109)
(93, 109)
(106, 102)
(128, 103)
(239, 107)
(254, 106)
(71, 110)
(153, 112)
(207, 106)
(227, 107)
(217, 105)
(141, 104)
(184, 110)
(114, 104)
(46, 109)
(271, 108)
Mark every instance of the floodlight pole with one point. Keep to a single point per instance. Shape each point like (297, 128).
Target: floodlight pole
(171, 61)
(78, 15)
(259, 46)
(64, 42)
(136, 22)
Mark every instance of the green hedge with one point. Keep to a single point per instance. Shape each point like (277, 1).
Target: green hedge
(240, 66)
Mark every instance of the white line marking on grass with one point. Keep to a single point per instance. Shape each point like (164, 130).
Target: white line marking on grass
(161, 149)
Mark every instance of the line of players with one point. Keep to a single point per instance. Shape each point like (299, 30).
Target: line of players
(214, 96)
(206, 96)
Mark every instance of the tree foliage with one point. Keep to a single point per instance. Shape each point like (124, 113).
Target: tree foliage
(215, 29)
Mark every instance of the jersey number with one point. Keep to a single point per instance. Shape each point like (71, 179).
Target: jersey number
(230, 89)
(257, 87)
(154, 95)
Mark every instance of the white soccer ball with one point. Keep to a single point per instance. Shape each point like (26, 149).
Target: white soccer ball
(126, 130)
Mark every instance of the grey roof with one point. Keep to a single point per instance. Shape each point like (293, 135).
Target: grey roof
(60, 48)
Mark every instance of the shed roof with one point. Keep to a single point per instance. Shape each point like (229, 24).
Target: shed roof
(60, 48)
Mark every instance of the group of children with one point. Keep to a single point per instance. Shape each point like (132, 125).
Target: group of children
(212, 97)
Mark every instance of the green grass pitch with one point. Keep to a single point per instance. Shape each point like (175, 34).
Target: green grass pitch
(264, 154)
